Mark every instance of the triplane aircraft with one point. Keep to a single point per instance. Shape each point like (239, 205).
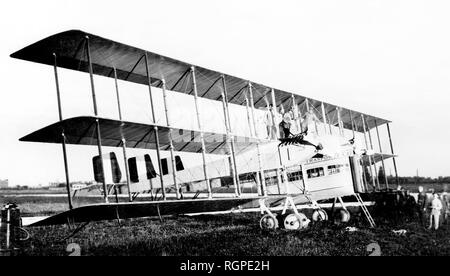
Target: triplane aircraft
(313, 152)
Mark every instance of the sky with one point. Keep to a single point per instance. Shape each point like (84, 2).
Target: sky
(386, 58)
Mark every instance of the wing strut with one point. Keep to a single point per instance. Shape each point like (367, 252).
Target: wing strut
(367, 147)
(230, 139)
(155, 128)
(260, 175)
(171, 147)
(124, 141)
(202, 139)
(63, 138)
(99, 138)
(392, 151)
(382, 160)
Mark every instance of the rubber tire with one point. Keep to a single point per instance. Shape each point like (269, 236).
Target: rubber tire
(268, 222)
(291, 221)
(319, 215)
(343, 216)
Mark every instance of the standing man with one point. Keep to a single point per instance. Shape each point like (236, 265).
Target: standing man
(410, 206)
(295, 119)
(285, 125)
(309, 118)
(270, 122)
(436, 206)
(445, 210)
(421, 205)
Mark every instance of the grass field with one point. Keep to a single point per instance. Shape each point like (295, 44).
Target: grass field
(232, 235)
(228, 235)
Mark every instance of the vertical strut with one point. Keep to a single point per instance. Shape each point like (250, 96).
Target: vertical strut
(124, 141)
(392, 150)
(252, 132)
(231, 137)
(295, 111)
(249, 119)
(340, 124)
(367, 146)
(274, 119)
(202, 140)
(63, 137)
(382, 159)
(362, 165)
(155, 128)
(275, 111)
(172, 154)
(258, 150)
(374, 164)
(324, 117)
(230, 148)
(299, 110)
(94, 100)
(353, 123)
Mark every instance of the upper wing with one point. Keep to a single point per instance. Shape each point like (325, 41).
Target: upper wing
(107, 55)
(82, 131)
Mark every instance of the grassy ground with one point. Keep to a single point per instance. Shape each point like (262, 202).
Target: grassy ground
(228, 235)
(234, 235)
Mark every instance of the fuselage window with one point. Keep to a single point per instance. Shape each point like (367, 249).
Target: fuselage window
(295, 176)
(247, 178)
(333, 169)
(165, 167)
(316, 172)
(270, 181)
(178, 163)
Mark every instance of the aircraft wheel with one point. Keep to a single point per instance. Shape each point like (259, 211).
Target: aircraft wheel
(343, 216)
(319, 215)
(294, 222)
(268, 222)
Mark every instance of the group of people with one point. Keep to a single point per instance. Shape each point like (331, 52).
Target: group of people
(289, 122)
(433, 206)
(430, 209)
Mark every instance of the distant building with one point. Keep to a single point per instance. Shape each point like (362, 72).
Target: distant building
(78, 185)
(74, 185)
(56, 184)
(4, 184)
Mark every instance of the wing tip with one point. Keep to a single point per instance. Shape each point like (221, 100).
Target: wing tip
(20, 54)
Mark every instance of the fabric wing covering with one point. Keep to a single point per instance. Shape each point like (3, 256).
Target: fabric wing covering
(70, 48)
(127, 210)
(82, 131)
(145, 209)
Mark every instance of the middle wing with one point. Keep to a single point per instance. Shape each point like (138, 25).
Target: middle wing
(82, 131)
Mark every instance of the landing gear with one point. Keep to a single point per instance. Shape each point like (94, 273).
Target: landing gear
(290, 218)
(294, 221)
(319, 215)
(343, 216)
(268, 222)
